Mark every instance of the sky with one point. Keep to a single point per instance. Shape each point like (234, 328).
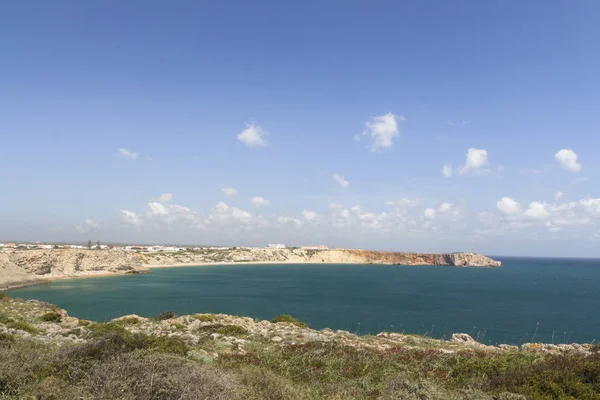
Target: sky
(391, 125)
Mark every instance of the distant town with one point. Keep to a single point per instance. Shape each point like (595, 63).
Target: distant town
(10, 247)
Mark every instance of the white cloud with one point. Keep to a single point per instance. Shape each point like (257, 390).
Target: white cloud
(258, 201)
(357, 138)
(341, 181)
(447, 170)
(429, 213)
(130, 217)
(124, 153)
(537, 210)
(568, 159)
(309, 215)
(253, 136)
(383, 129)
(165, 197)
(558, 195)
(508, 206)
(222, 213)
(229, 191)
(89, 225)
(477, 160)
(458, 123)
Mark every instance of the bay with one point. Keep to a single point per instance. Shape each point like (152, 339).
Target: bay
(528, 299)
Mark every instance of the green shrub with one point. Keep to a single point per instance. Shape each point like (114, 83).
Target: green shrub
(4, 296)
(128, 321)
(289, 320)
(225, 330)
(178, 326)
(51, 317)
(6, 337)
(165, 315)
(113, 338)
(83, 322)
(204, 317)
(19, 325)
(595, 348)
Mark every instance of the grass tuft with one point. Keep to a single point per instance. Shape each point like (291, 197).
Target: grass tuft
(289, 320)
(51, 317)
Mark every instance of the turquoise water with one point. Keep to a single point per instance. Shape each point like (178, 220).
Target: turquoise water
(528, 299)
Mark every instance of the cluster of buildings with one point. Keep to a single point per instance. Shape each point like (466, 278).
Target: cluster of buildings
(139, 249)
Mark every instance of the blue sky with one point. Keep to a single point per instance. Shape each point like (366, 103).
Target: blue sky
(383, 94)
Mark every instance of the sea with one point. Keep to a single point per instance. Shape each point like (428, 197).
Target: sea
(526, 300)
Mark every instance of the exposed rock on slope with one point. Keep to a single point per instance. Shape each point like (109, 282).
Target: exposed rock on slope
(33, 266)
(320, 256)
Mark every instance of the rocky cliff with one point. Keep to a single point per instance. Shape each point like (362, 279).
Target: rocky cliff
(33, 266)
(319, 256)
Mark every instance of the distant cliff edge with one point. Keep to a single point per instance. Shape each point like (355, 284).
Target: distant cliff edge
(20, 268)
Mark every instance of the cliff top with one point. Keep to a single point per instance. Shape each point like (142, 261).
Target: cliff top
(46, 353)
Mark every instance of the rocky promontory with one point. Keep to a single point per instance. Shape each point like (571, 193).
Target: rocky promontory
(19, 268)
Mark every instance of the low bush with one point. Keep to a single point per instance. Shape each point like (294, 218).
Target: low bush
(4, 296)
(51, 317)
(6, 337)
(165, 315)
(112, 338)
(289, 320)
(204, 317)
(128, 321)
(225, 330)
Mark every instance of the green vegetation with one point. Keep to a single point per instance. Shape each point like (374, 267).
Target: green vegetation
(4, 296)
(165, 315)
(19, 325)
(290, 320)
(225, 330)
(127, 321)
(115, 360)
(51, 317)
(204, 317)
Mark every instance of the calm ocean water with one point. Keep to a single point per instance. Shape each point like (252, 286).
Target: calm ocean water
(528, 299)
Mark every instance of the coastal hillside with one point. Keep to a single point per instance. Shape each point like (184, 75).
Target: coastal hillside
(18, 268)
(338, 256)
(47, 354)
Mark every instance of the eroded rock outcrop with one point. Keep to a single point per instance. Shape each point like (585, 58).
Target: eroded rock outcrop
(34, 266)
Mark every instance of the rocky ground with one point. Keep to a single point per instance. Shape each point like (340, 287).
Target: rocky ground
(283, 360)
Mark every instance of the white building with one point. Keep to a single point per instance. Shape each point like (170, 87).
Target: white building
(319, 247)
(276, 246)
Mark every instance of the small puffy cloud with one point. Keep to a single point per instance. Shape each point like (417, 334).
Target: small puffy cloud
(124, 153)
(508, 206)
(447, 170)
(253, 136)
(309, 215)
(89, 225)
(558, 195)
(229, 191)
(221, 212)
(383, 129)
(429, 213)
(537, 210)
(568, 160)
(458, 123)
(341, 181)
(289, 220)
(130, 217)
(165, 197)
(258, 201)
(476, 161)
